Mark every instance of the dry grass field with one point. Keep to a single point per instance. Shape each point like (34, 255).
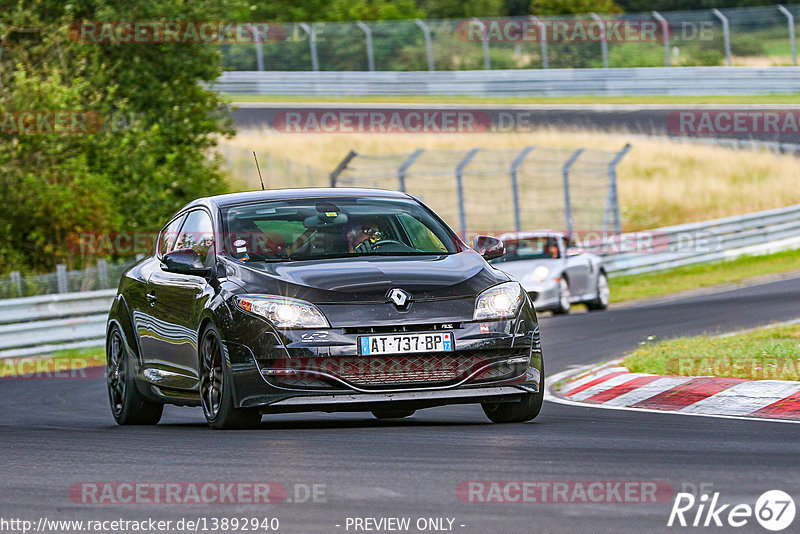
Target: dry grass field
(660, 182)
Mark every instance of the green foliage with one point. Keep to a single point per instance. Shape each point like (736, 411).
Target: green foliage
(124, 177)
(635, 55)
(568, 7)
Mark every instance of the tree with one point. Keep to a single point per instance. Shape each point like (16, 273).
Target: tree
(125, 177)
(569, 7)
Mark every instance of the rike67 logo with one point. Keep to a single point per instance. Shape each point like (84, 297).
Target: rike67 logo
(774, 510)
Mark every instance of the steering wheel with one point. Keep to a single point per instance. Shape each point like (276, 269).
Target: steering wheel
(382, 242)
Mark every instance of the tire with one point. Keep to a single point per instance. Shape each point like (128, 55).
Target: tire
(127, 405)
(517, 412)
(564, 296)
(603, 294)
(392, 413)
(216, 393)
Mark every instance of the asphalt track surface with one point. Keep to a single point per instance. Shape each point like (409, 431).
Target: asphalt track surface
(56, 433)
(635, 119)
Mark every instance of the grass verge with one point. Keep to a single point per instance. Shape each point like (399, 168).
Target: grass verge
(765, 354)
(60, 364)
(460, 99)
(638, 286)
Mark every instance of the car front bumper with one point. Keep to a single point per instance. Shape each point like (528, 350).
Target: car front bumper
(322, 370)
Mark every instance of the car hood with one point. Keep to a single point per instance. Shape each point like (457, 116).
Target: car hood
(368, 279)
(522, 268)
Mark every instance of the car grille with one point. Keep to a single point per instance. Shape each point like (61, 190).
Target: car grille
(399, 370)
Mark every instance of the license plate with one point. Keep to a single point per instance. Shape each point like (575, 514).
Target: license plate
(406, 343)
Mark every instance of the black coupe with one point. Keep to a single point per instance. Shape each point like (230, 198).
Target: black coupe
(319, 299)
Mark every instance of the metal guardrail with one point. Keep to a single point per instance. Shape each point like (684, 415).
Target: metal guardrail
(686, 81)
(37, 325)
(718, 239)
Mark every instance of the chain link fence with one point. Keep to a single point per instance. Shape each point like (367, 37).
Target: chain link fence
(491, 191)
(751, 36)
(101, 276)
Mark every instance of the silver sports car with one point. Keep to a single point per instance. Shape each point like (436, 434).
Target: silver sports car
(554, 275)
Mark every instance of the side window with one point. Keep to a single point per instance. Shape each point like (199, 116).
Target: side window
(166, 240)
(197, 234)
(421, 236)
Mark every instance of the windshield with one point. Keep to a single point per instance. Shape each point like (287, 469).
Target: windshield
(315, 228)
(533, 248)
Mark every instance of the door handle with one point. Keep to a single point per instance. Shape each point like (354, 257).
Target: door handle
(151, 297)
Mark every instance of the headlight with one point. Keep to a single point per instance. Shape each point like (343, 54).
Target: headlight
(540, 273)
(497, 302)
(283, 312)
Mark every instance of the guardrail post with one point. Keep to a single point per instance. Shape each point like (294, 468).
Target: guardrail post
(603, 38)
(515, 186)
(61, 278)
(487, 60)
(312, 40)
(665, 31)
(542, 40)
(565, 177)
(462, 214)
(370, 52)
(102, 274)
(259, 49)
(341, 167)
(726, 34)
(16, 280)
(403, 169)
(428, 44)
(612, 203)
(790, 19)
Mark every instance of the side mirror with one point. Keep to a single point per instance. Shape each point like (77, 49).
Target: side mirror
(185, 261)
(573, 251)
(489, 247)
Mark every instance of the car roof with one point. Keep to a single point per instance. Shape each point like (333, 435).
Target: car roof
(287, 194)
(512, 236)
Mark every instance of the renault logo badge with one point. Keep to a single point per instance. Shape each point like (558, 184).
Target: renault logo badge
(399, 297)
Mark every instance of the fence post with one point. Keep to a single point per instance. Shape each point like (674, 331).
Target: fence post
(16, 280)
(341, 167)
(665, 31)
(102, 273)
(370, 52)
(603, 39)
(565, 177)
(542, 41)
(790, 18)
(61, 277)
(726, 34)
(259, 49)
(312, 40)
(462, 214)
(428, 44)
(515, 186)
(403, 169)
(487, 60)
(613, 199)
